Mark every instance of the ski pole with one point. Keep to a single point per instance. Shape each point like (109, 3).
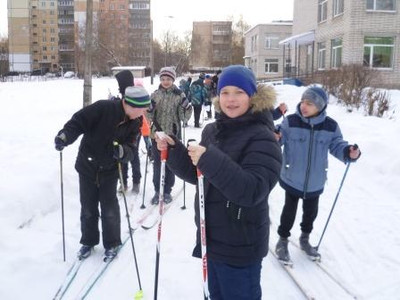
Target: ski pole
(333, 206)
(164, 156)
(139, 294)
(62, 203)
(202, 221)
(184, 182)
(144, 183)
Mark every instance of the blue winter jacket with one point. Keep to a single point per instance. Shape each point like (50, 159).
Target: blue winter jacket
(306, 142)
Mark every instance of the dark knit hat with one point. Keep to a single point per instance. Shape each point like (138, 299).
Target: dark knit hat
(168, 71)
(239, 76)
(125, 79)
(137, 96)
(317, 96)
(202, 75)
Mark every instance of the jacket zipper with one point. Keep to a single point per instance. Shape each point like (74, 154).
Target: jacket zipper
(308, 161)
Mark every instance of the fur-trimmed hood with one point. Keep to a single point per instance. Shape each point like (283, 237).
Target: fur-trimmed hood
(264, 99)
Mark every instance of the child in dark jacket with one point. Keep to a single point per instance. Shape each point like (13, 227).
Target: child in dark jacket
(108, 129)
(240, 161)
(307, 136)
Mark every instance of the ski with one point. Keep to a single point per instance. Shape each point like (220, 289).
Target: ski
(68, 279)
(150, 223)
(289, 271)
(327, 273)
(97, 274)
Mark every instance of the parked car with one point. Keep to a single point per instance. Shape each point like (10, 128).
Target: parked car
(12, 73)
(69, 74)
(36, 72)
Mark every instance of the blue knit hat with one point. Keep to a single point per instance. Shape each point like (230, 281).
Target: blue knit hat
(239, 76)
(317, 96)
(137, 96)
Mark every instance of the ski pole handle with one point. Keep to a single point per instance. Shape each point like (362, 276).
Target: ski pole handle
(164, 155)
(190, 141)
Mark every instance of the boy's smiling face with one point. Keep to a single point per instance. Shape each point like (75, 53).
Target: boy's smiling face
(166, 81)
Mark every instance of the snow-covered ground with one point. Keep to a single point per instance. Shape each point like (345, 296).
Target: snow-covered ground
(360, 247)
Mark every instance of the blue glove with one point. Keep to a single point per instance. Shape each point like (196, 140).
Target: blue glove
(60, 141)
(118, 152)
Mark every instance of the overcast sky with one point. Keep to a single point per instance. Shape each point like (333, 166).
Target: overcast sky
(178, 15)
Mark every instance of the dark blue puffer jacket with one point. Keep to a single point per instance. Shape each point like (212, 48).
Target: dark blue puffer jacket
(240, 167)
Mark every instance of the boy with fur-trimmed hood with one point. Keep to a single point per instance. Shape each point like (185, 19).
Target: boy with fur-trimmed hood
(240, 160)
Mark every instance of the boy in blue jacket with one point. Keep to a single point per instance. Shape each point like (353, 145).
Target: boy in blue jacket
(307, 136)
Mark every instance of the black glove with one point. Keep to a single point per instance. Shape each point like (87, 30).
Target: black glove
(60, 141)
(185, 103)
(277, 129)
(177, 91)
(152, 106)
(118, 152)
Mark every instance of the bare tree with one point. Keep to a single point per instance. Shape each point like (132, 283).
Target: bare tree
(238, 30)
(3, 55)
(87, 85)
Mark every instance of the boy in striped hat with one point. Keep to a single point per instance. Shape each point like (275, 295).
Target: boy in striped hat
(109, 132)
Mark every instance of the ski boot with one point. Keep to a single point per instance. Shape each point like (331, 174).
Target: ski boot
(136, 188)
(123, 188)
(111, 253)
(167, 198)
(155, 200)
(84, 252)
(307, 248)
(282, 251)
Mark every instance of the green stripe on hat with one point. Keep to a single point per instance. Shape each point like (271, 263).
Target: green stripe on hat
(137, 96)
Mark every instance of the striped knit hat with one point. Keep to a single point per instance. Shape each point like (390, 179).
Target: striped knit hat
(137, 96)
(168, 71)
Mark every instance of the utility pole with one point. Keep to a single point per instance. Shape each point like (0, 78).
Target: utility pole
(87, 84)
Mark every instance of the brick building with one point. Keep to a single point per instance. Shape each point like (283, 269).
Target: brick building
(330, 33)
(211, 45)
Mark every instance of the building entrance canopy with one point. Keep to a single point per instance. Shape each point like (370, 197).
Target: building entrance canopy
(299, 39)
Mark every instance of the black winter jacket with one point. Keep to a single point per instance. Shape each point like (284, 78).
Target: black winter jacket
(101, 123)
(240, 166)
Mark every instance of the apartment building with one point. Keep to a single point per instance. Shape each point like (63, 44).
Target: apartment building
(140, 33)
(66, 35)
(48, 35)
(331, 33)
(211, 45)
(20, 54)
(263, 53)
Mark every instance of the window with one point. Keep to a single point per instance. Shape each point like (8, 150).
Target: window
(378, 52)
(338, 7)
(271, 65)
(271, 42)
(254, 40)
(336, 53)
(322, 10)
(321, 56)
(381, 5)
(138, 5)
